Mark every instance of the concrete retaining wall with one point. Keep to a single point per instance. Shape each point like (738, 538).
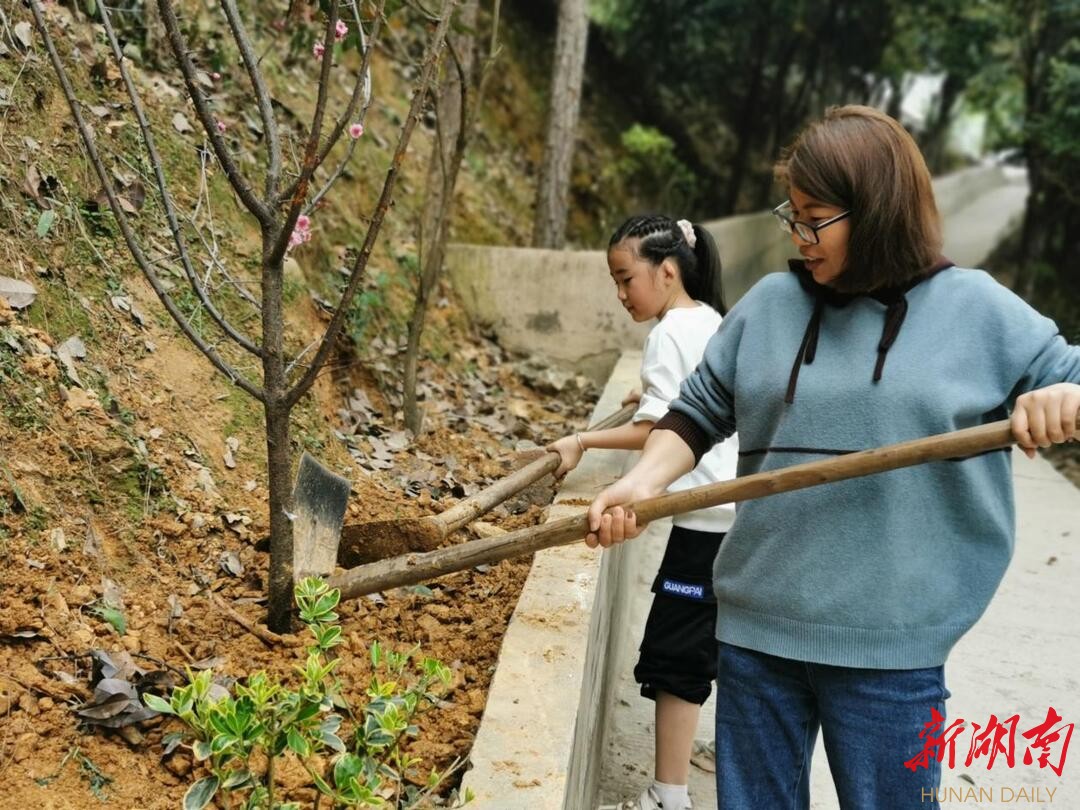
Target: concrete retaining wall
(559, 304)
(538, 745)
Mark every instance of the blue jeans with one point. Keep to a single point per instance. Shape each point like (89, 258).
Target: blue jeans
(769, 710)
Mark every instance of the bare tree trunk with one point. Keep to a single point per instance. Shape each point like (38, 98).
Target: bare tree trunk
(552, 196)
(447, 152)
(1032, 233)
(279, 475)
(1033, 47)
(933, 146)
(896, 98)
(747, 125)
(778, 94)
(278, 451)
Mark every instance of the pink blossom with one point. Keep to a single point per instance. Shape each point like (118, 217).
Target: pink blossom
(356, 130)
(215, 76)
(302, 232)
(341, 30)
(318, 49)
(221, 126)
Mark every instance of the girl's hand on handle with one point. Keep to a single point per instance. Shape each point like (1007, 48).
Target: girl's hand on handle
(633, 396)
(569, 451)
(608, 528)
(1046, 416)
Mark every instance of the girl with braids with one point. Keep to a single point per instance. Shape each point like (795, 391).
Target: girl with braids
(838, 605)
(669, 272)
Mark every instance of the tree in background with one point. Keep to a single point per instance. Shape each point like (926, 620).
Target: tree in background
(735, 79)
(1046, 55)
(953, 40)
(729, 82)
(568, 72)
(278, 196)
(457, 109)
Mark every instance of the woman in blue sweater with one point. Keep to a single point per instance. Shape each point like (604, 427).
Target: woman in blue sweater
(837, 605)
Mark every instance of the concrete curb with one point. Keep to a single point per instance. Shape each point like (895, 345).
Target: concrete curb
(538, 745)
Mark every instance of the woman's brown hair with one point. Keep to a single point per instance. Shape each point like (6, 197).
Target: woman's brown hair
(860, 159)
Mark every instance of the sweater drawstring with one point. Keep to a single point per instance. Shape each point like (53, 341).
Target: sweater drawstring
(894, 319)
(896, 311)
(807, 349)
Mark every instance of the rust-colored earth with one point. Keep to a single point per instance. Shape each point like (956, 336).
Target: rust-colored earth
(77, 521)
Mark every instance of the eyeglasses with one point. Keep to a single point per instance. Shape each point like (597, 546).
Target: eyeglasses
(803, 230)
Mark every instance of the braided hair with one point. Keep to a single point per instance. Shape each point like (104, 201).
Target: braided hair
(662, 238)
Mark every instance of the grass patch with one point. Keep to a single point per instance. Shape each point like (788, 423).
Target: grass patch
(245, 414)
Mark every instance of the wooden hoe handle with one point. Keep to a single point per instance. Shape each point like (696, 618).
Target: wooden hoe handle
(472, 507)
(412, 568)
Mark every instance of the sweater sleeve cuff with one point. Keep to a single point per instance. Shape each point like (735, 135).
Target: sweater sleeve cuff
(686, 429)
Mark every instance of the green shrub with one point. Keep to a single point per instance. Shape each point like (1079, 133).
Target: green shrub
(650, 173)
(263, 719)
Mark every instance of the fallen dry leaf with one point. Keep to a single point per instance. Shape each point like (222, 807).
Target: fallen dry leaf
(24, 34)
(232, 444)
(19, 294)
(181, 124)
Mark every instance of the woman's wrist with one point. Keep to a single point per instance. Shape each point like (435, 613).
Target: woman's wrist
(581, 442)
(646, 481)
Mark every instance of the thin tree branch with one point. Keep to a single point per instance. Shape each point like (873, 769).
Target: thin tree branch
(170, 209)
(431, 61)
(362, 88)
(451, 119)
(440, 145)
(486, 69)
(322, 192)
(266, 636)
(236, 284)
(7, 27)
(262, 95)
(495, 17)
(422, 10)
(299, 357)
(311, 151)
(258, 208)
(212, 249)
(121, 217)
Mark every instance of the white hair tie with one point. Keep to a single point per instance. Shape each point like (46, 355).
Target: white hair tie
(687, 228)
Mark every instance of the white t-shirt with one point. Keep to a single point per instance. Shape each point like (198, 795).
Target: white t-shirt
(672, 350)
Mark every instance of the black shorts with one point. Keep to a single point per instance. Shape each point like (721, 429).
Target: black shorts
(678, 650)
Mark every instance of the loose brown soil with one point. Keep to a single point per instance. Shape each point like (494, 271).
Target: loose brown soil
(135, 497)
(54, 576)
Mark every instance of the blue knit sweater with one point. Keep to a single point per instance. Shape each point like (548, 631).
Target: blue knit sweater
(886, 571)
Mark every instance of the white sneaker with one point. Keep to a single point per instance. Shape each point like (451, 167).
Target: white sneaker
(648, 800)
